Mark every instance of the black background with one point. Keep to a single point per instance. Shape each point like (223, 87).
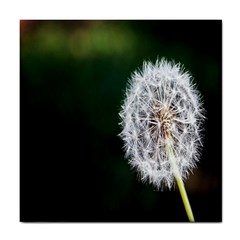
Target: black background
(73, 76)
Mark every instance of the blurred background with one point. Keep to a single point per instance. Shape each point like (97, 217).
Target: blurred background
(73, 76)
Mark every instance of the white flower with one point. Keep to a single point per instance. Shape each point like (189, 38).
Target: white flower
(162, 115)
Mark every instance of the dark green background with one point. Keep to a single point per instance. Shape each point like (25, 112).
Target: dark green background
(73, 76)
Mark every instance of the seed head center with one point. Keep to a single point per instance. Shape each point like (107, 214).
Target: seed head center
(165, 119)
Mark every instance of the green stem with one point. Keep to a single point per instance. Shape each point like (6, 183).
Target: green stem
(174, 166)
(185, 199)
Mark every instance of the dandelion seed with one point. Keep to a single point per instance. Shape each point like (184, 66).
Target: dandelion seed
(161, 120)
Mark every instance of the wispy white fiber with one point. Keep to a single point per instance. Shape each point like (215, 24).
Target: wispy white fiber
(161, 105)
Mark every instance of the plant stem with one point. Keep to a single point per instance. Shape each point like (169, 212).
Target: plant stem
(185, 199)
(174, 166)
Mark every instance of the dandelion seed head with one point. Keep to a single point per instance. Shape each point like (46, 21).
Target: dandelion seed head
(161, 103)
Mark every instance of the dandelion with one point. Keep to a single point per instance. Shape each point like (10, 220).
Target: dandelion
(161, 120)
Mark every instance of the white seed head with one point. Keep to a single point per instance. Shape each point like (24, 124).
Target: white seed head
(161, 105)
